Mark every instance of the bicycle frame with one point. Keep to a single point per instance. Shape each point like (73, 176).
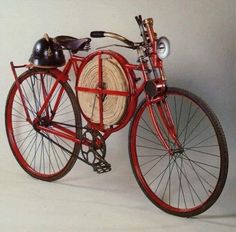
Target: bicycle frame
(176, 143)
(133, 93)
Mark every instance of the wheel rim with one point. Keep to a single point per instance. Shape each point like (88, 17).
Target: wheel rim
(37, 151)
(184, 182)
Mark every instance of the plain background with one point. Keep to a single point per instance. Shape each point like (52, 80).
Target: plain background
(203, 60)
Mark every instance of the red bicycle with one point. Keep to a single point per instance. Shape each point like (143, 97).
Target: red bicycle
(177, 147)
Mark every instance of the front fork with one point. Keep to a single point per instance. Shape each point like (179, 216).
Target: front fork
(165, 116)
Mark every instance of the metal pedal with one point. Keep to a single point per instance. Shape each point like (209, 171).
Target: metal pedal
(101, 167)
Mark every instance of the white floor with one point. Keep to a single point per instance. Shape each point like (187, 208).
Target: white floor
(86, 201)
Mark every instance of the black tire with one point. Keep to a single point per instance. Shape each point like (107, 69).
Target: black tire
(42, 155)
(190, 181)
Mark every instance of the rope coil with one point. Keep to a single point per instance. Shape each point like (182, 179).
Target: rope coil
(114, 78)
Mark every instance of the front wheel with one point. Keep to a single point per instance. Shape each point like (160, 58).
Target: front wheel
(188, 181)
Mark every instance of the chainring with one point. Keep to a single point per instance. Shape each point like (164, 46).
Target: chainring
(93, 151)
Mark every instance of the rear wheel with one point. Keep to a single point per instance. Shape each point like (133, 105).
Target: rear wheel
(43, 155)
(190, 180)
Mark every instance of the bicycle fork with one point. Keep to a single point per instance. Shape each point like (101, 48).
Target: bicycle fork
(166, 118)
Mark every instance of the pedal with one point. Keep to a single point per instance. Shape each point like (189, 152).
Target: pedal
(101, 167)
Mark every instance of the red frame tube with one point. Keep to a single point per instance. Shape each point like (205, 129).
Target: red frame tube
(13, 68)
(100, 83)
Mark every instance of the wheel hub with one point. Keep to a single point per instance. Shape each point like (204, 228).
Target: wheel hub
(45, 121)
(177, 151)
(42, 121)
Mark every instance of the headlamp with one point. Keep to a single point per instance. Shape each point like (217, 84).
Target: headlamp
(163, 47)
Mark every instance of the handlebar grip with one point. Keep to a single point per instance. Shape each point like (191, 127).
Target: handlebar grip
(97, 34)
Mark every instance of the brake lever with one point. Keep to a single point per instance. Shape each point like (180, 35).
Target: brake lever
(139, 19)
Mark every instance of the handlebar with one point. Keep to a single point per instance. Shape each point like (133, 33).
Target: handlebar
(100, 34)
(146, 30)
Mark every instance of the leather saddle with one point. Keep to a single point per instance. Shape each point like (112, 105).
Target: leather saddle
(73, 44)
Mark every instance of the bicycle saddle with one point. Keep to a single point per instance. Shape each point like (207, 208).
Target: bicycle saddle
(73, 44)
